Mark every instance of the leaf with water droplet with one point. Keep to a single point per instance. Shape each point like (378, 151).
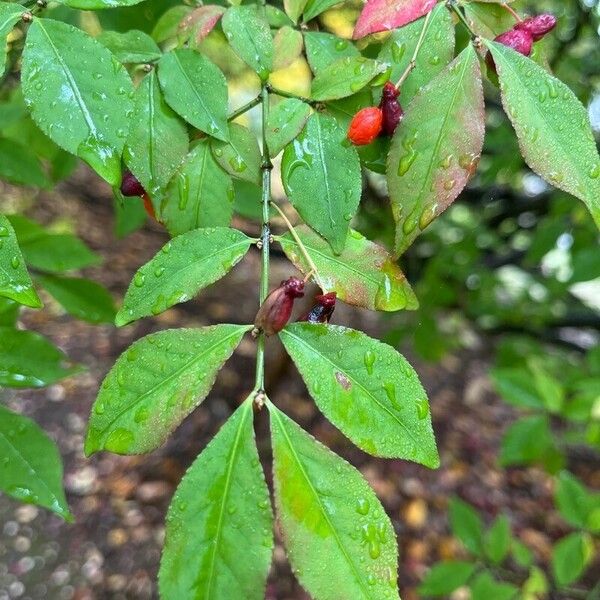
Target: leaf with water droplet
(286, 120)
(323, 48)
(31, 468)
(379, 409)
(191, 359)
(207, 533)
(78, 121)
(564, 151)
(195, 260)
(417, 175)
(322, 178)
(15, 282)
(196, 89)
(320, 499)
(240, 157)
(130, 47)
(364, 274)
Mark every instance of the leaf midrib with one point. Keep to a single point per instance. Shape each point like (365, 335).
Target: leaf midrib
(338, 540)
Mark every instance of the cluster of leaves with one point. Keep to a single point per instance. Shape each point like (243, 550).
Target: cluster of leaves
(500, 566)
(158, 104)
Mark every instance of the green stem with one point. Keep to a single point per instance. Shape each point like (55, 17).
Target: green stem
(452, 5)
(302, 247)
(285, 94)
(245, 108)
(266, 168)
(413, 61)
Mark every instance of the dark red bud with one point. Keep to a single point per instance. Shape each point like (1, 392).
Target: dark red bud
(391, 110)
(130, 186)
(538, 26)
(389, 91)
(276, 310)
(322, 311)
(365, 126)
(517, 39)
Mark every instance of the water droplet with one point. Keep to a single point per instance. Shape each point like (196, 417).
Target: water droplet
(435, 60)
(141, 414)
(362, 506)
(341, 45)
(398, 50)
(166, 248)
(3, 231)
(422, 408)
(407, 160)
(159, 271)
(446, 161)
(449, 184)
(99, 408)
(15, 261)
(139, 279)
(369, 359)
(595, 171)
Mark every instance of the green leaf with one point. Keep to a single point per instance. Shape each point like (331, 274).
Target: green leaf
(98, 4)
(250, 37)
(521, 553)
(167, 26)
(199, 195)
(445, 577)
(10, 14)
(321, 175)
(497, 540)
(314, 8)
(366, 389)
(31, 466)
(287, 47)
(466, 525)
(9, 312)
(294, 8)
(364, 274)
(82, 298)
(58, 253)
(28, 360)
(155, 384)
(552, 126)
(485, 587)
(196, 89)
(220, 512)
(129, 215)
(516, 387)
(240, 156)
(428, 166)
(547, 386)
(286, 120)
(184, 266)
(526, 441)
(131, 47)
(436, 52)
(70, 81)
(157, 141)
(488, 19)
(570, 557)
(326, 509)
(575, 503)
(323, 49)
(344, 77)
(15, 282)
(19, 165)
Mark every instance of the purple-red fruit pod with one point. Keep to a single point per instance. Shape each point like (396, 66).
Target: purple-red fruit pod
(130, 186)
(276, 310)
(538, 26)
(517, 39)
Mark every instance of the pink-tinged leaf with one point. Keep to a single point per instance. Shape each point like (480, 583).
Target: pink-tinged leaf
(201, 21)
(436, 148)
(382, 15)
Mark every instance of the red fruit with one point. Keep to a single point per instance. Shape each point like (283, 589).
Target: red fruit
(322, 311)
(276, 310)
(517, 39)
(390, 108)
(538, 26)
(130, 186)
(365, 126)
(149, 206)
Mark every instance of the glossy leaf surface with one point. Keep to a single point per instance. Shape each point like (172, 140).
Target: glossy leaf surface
(78, 94)
(31, 465)
(184, 266)
(131, 46)
(199, 195)
(240, 156)
(364, 274)
(366, 389)
(381, 15)
(437, 148)
(327, 509)
(196, 89)
(220, 512)
(552, 127)
(155, 384)
(10, 13)
(321, 175)
(29, 360)
(323, 49)
(15, 282)
(286, 120)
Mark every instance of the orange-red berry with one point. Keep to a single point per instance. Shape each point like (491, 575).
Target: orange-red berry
(365, 126)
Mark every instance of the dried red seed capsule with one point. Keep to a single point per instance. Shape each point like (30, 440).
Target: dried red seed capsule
(130, 186)
(538, 26)
(390, 108)
(276, 310)
(365, 126)
(322, 311)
